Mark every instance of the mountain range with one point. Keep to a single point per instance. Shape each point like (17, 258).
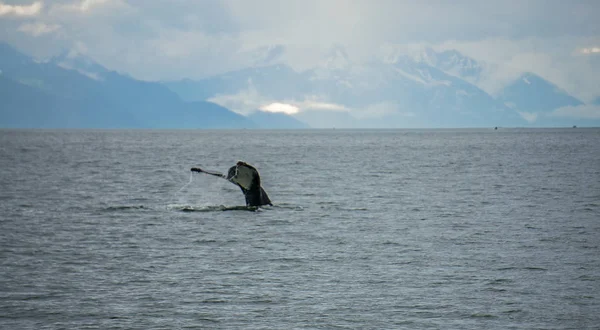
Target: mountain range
(427, 89)
(74, 92)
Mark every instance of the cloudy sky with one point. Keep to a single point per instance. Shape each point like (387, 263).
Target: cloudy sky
(173, 39)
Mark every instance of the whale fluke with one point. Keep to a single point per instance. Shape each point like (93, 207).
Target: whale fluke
(247, 178)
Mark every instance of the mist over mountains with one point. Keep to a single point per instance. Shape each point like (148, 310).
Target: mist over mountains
(428, 89)
(425, 89)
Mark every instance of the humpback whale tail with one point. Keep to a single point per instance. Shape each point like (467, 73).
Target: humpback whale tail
(247, 178)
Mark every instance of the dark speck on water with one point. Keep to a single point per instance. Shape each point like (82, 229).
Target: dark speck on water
(370, 229)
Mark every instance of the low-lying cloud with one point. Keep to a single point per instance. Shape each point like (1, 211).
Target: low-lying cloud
(277, 107)
(168, 40)
(584, 111)
(38, 29)
(33, 9)
(249, 100)
(590, 50)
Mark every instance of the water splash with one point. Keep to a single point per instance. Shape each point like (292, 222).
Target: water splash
(188, 183)
(183, 187)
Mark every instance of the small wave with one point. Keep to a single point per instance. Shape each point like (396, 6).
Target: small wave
(214, 301)
(289, 260)
(499, 281)
(206, 241)
(211, 208)
(288, 206)
(125, 207)
(483, 315)
(343, 208)
(220, 208)
(588, 278)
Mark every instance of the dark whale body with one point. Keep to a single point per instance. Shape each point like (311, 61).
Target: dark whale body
(247, 178)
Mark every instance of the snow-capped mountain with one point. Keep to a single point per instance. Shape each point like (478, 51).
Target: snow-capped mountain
(452, 62)
(534, 98)
(276, 81)
(81, 64)
(418, 89)
(531, 96)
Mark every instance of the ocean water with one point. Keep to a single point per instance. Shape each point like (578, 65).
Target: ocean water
(370, 229)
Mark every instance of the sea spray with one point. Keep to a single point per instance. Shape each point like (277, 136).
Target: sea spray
(180, 189)
(188, 183)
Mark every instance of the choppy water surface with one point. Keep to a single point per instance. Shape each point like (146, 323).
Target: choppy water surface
(402, 229)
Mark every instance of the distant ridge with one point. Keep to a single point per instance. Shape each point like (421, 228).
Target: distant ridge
(532, 93)
(61, 94)
(427, 89)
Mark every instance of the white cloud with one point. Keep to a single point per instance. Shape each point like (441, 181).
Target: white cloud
(87, 6)
(26, 10)
(312, 103)
(586, 111)
(589, 50)
(378, 110)
(90, 75)
(38, 29)
(165, 39)
(77, 50)
(249, 100)
(244, 102)
(281, 107)
(529, 116)
(583, 111)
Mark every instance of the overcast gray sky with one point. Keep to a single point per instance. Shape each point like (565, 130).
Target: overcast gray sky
(172, 39)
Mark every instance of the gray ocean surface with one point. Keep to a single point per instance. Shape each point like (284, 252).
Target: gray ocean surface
(370, 229)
